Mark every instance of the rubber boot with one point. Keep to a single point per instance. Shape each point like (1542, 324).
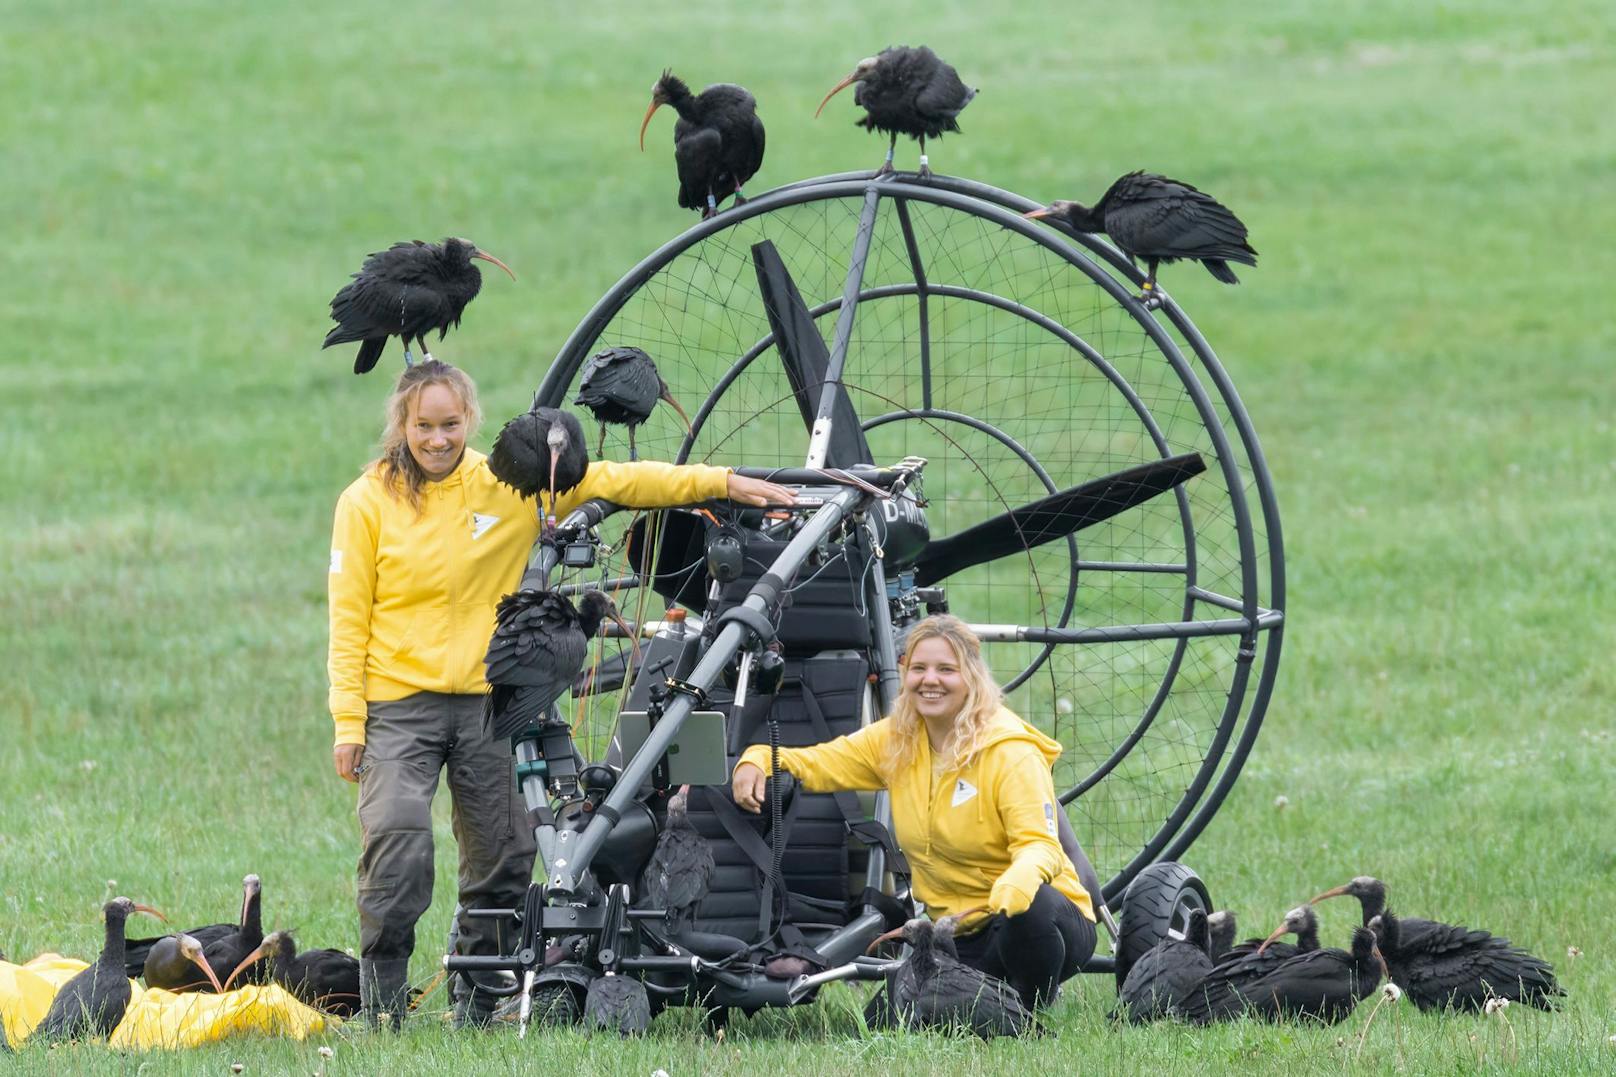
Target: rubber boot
(384, 992)
(474, 1008)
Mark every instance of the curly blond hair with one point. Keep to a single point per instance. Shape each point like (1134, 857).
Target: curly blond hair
(400, 474)
(982, 699)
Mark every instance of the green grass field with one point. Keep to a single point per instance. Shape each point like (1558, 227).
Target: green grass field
(1425, 350)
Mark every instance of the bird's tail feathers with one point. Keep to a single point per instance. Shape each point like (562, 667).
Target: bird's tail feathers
(1220, 269)
(369, 353)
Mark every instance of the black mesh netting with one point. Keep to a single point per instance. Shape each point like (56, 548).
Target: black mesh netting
(1023, 340)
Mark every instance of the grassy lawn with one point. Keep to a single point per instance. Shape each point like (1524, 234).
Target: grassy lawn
(1426, 351)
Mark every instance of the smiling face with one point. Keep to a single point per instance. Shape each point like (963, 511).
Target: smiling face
(933, 680)
(435, 430)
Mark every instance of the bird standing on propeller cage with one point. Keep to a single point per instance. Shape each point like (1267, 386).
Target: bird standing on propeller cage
(425, 543)
(973, 808)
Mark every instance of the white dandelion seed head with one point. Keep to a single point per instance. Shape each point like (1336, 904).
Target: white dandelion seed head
(326, 1052)
(659, 1073)
(1063, 705)
(88, 764)
(1497, 1005)
(236, 1067)
(1392, 991)
(1281, 802)
(1573, 952)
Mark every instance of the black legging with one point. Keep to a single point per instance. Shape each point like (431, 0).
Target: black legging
(1035, 951)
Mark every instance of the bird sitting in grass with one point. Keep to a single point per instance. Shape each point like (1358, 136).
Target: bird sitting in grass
(1160, 220)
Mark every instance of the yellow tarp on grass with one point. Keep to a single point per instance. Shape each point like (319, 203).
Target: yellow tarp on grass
(157, 1018)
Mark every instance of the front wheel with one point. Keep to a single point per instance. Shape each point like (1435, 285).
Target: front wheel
(1157, 906)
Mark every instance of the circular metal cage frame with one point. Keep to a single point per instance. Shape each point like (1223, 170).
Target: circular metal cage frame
(1212, 655)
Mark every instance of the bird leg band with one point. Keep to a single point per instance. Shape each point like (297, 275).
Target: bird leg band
(925, 162)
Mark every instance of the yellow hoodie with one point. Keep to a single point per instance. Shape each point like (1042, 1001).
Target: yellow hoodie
(983, 835)
(412, 596)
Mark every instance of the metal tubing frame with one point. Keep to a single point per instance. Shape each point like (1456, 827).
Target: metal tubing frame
(574, 850)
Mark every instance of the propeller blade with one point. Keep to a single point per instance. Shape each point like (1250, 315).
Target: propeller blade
(806, 359)
(1053, 517)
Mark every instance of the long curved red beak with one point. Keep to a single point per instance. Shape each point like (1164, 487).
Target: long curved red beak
(667, 394)
(207, 970)
(834, 90)
(1279, 932)
(1337, 892)
(246, 962)
(655, 104)
(149, 911)
(1038, 214)
(895, 933)
(485, 256)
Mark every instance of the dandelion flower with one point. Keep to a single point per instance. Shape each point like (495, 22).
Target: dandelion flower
(1281, 802)
(326, 1052)
(1573, 952)
(1497, 1005)
(1392, 991)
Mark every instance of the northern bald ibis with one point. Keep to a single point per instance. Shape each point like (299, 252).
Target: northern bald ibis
(540, 450)
(622, 386)
(406, 291)
(1166, 974)
(539, 646)
(677, 876)
(717, 140)
(1439, 965)
(1221, 994)
(92, 1003)
(176, 963)
(325, 979)
(617, 1003)
(906, 91)
(933, 989)
(1322, 985)
(1161, 220)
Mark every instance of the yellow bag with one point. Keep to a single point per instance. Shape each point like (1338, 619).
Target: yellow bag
(26, 991)
(157, 1018)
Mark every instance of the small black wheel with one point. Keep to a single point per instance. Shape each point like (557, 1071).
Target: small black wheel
(1157, 905)
(556, 1005)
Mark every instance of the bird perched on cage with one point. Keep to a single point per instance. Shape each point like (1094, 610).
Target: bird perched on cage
(623, 385)
(680, 870)
(539, 645)
(1166, 974)
(1222, 993)
(717, 140)
(92, 1003)
(906, 91)
(1161, 220)
(1439, 965)
(406, 291)
(934, 989)
(617, 1003)
(540, 450)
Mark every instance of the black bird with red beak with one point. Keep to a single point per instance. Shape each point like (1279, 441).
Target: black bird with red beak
(906, 91)
(91, 1004)
(539, 646)
(1322, 985)
(1440, 965)
(539, 451)
(407, 291)
(622, 386)
(1222, 994)
(175, 963)
(327, 979)
(934, 989)
(1160, 220)
(717, 140)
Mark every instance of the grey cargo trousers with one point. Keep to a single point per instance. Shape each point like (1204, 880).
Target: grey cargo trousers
(407, 742)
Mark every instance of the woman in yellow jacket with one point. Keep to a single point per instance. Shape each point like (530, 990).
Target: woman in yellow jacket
(973, 808)
(425, 543)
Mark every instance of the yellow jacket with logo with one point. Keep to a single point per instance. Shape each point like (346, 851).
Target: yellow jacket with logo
(412, 595)
(982, 835)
